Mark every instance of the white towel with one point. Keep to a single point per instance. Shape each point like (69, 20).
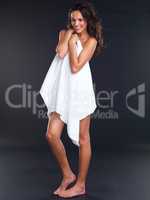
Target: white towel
(69, 94)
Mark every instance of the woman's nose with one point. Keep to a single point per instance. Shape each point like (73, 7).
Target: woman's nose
(76, 23)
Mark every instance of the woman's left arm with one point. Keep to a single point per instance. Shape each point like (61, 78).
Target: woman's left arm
(77, 62)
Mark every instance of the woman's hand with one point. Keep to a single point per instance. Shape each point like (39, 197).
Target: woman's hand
(74, 38)
(70, 31)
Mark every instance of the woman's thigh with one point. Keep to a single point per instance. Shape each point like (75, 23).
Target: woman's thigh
(55, 125)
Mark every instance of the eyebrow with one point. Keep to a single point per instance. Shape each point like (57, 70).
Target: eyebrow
(77, 18)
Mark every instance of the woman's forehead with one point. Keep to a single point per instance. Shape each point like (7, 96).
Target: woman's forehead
(76, 14)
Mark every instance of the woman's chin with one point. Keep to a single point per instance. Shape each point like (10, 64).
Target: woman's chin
(78, 31)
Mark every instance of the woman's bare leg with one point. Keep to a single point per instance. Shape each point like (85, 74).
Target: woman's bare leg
(84, 151)
(84, 160)
(54, 131)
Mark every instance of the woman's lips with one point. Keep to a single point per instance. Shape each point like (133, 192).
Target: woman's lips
(77, 29)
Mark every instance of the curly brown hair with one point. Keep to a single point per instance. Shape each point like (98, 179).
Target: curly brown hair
(94, 26)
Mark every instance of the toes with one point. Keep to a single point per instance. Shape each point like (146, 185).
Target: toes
(64, 195)
(71, 192)
(56, 191)
(63, 186)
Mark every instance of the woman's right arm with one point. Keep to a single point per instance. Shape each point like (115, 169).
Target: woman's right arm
(62, 47)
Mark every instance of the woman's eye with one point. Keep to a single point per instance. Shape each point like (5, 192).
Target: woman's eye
(76, 20)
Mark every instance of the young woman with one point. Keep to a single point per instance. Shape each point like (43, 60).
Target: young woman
(77, 45)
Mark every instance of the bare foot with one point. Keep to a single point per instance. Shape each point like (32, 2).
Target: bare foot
(74, 191)
(65, 183)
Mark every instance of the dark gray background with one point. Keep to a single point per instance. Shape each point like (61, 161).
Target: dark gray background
(120, 162)
(28, 37)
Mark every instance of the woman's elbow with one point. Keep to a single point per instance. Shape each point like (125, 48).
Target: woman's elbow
(61, 54)
(74, 69)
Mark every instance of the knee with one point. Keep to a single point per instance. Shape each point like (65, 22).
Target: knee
(84, 138)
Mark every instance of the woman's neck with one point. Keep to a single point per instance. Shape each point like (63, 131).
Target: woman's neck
(83, 36)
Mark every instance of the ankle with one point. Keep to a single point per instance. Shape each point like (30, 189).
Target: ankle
(68, 175)
(80, 183)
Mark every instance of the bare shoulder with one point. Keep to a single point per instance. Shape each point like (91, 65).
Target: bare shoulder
(91, 42)
(90, 45)
(88, 50)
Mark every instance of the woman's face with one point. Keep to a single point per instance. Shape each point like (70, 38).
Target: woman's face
(78, 23)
